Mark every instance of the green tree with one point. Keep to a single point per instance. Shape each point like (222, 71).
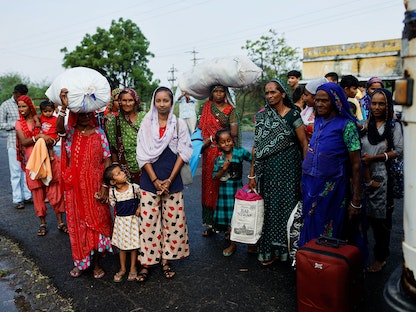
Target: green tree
(120, 54)
(10, 80)
(272, 54)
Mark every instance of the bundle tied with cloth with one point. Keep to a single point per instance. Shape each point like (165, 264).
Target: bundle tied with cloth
(234, 72)
(88, 89)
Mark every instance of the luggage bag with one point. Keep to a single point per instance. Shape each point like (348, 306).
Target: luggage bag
(329, 276)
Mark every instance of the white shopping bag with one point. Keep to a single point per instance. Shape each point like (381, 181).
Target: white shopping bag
(247, 219)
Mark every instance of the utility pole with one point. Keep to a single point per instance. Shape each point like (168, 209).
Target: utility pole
(172, 77)
(194, 53)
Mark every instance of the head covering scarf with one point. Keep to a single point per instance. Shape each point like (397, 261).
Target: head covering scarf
(228, 98)
(136, 98)
(373, 80)
(20, 155)
(338, 99)
(149, 143)
(373, 135)
(287, 101)
(313, 85)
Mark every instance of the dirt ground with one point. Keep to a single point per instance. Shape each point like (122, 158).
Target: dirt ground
(23, 287)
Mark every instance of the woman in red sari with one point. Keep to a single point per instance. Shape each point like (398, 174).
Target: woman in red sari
(27, 136)
(217, 113)
(85, 156)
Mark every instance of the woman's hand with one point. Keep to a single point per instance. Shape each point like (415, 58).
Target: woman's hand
(102, 195)
(366, 159)
(252, 184)
(64, 98)
(162, 187)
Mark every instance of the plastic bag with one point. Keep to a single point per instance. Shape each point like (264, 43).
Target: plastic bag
(248, 215)
(88, 89)
(234, 72)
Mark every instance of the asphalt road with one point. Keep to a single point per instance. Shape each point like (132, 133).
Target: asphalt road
(205, 281)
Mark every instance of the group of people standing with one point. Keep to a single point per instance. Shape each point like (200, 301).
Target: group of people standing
(326, 159)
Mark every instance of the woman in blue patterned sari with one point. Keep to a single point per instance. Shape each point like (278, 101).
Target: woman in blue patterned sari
(331, 179)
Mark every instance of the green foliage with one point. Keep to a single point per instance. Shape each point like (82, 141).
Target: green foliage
(120, 54)
(10, 80)
(276, 58)
(272, 54)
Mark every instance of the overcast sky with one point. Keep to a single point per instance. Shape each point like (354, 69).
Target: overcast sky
(33, 32)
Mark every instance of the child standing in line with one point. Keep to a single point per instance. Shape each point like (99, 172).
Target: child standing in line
(48, 123)
(228, 168)
(124, 197)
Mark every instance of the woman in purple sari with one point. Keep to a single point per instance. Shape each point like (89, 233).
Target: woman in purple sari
(331, 178)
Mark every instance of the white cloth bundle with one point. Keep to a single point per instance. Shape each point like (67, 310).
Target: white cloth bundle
(234, 72)
(88, 89)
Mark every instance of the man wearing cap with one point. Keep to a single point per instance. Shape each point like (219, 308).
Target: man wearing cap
(8, 117)
(308, 114)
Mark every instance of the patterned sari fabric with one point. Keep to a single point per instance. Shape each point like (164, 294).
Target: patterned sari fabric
(122, 136)
(89, 221)
(278, 168)
(212, 119)
(326, 188)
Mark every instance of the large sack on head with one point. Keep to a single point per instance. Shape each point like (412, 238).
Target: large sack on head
(88, 89)
(234, 72)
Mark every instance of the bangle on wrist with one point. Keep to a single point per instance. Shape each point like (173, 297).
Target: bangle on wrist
(251, 177)
(387, 157)
(210, 138)
(170, 181)
(62, 114)
(34, 139)
(154, 180)
(62, 134)
(356, 207)
(104, 185)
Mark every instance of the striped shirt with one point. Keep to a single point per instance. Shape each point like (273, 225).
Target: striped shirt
(8, 117)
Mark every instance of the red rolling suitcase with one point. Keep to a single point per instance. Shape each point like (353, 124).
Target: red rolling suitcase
(329, 276)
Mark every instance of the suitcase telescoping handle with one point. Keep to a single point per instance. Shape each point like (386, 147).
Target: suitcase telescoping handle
(330, 242)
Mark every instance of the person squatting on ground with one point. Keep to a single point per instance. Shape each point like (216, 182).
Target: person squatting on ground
(124, 197)
(27, 137)
(228, 168)
(85, 156)
(163, 145)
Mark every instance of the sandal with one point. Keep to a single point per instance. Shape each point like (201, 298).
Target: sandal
(269, 262)
(377, 266)
(42, 230)
(118, 277)
(98, 273)
(132, 276)
(75, 272)
(143, 275)
(229, 250)
(208, 232)
(63, 228)
(167, 271)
